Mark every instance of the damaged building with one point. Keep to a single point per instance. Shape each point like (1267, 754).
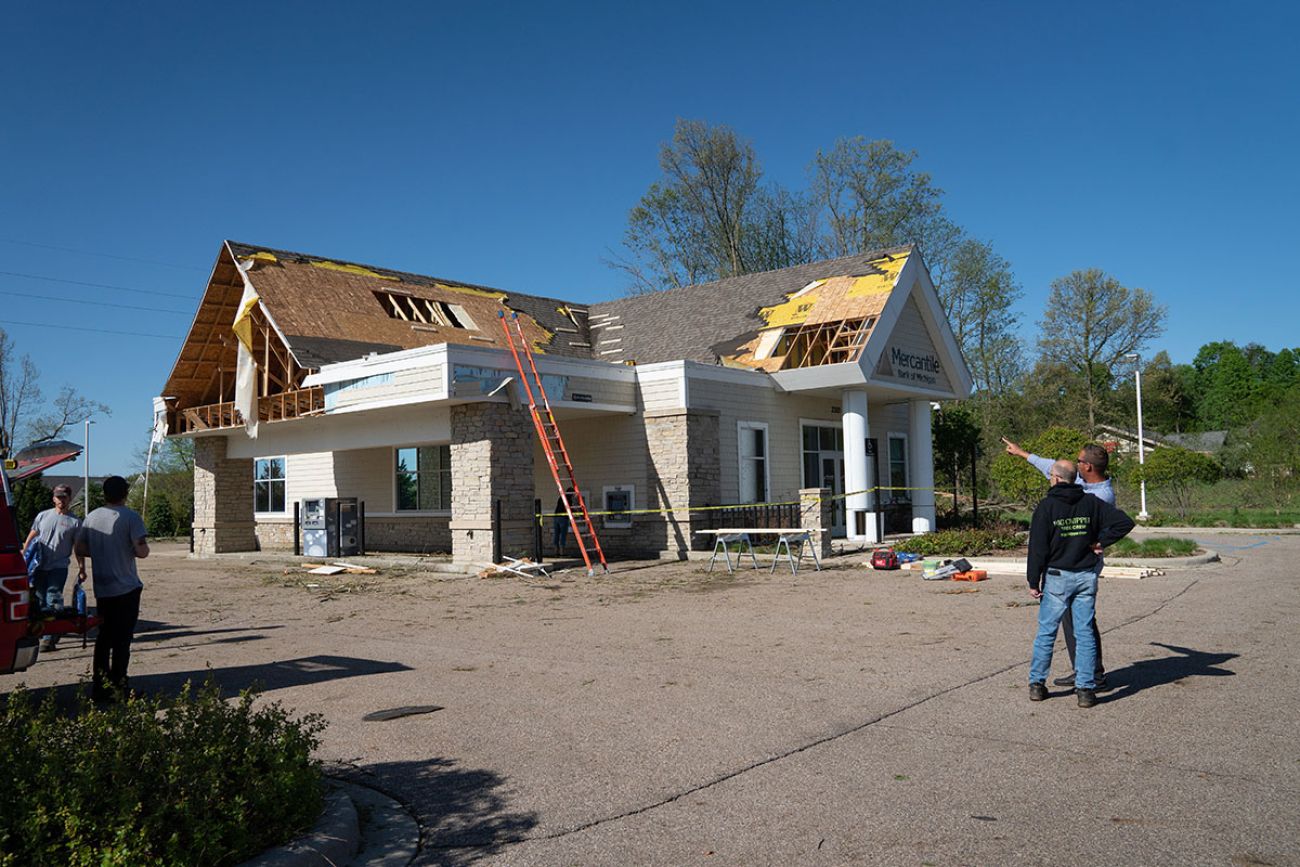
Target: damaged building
(304, 377)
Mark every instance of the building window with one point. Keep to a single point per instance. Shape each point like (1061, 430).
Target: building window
(753, 461)
(426, 311)
(268, 485)
(898, 468)
(424, 479)
(819, 439)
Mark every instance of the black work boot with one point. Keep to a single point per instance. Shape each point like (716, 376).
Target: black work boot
(1037, 691)
(1087, 697)
(1068, 680)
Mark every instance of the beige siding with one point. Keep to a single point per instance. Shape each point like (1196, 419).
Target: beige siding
(366, 474)
(425, 383)
(601, 390)
(609, 450)
(310, 475)
(781, 412)
(910, 337)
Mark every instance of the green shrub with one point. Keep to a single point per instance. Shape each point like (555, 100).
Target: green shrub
(966, 542)
(1018, 480)
(1178, 476)
(189, 780)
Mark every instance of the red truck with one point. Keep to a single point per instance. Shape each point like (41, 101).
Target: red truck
(21, 625)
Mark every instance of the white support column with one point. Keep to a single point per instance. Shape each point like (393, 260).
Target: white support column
(922, 469)
(857, 470)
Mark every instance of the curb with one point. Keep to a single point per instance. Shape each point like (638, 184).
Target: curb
(390, 836)
(1234, 531)
(1206, 556)
(330, 842)
(359, 827)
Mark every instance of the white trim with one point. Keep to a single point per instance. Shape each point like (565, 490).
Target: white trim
(284, 480)
(767, 458)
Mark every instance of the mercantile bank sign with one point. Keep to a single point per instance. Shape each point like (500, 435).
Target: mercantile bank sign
(923, 367)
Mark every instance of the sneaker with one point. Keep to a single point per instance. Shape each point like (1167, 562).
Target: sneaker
(1068, 680)
(1087, 697)
(49, 642)
(1037, 691)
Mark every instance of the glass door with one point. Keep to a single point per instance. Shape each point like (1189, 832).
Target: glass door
(833, 478)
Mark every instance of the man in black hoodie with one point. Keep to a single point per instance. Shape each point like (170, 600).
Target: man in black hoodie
(1067, 533)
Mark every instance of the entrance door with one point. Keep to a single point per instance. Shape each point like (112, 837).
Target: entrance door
(833, 478)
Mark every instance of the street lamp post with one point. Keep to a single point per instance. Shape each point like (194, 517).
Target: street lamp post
(85, 475)
(1137, 377)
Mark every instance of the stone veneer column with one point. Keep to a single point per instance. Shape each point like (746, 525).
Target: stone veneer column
(683, 470)
(491, 459)
(223, 499)
(815, 507)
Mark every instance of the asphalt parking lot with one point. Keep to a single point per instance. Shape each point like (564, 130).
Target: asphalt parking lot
(664, 715)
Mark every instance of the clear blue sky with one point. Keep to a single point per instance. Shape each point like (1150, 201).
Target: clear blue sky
(505, 143)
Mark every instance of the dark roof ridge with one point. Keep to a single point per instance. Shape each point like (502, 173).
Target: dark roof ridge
(867, 254)
(378, 269)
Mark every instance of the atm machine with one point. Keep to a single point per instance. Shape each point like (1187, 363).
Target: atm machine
(331, 527)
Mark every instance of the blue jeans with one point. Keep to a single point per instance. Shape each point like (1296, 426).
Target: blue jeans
(560, 534)
(47, 588)
(1073, 593)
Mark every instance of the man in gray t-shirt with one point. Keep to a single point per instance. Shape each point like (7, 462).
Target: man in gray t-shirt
(55, 532)
(113, 537)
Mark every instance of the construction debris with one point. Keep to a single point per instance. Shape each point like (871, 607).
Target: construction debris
(337, 567)
(524, 568)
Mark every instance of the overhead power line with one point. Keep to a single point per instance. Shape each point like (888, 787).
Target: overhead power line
(111, 304)
(90, 330)
(98, 285)
(103, 255)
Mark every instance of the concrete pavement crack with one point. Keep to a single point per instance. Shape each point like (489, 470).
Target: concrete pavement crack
(794, 751)
(1128, 758)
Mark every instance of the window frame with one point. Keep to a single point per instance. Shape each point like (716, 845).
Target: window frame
(899, 496)
(283, 481)
(741, 427)
(398, 511)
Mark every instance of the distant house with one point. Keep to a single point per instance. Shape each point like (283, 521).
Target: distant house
(400, 389)
(1124, 441)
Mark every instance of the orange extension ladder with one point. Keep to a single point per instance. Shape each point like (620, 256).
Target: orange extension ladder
(548, 431)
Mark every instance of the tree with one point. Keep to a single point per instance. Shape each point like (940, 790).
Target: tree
(19, 393)
(871, 197)
(978, 296)
(956, 433)
(171, 481)
(1273, 445)
(1021, 482)
(691, 226)
(31, 496)
(1091, 322)
(69, 408)
(1178, 474)
(711, 216)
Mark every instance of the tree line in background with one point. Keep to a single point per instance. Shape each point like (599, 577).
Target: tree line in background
(713, 215)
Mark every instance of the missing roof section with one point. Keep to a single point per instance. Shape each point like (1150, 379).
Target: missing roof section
(425, 311)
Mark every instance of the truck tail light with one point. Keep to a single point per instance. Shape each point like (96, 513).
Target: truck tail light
(17, 595)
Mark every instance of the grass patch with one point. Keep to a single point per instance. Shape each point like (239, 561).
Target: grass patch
(190, 780)
(1153, 548)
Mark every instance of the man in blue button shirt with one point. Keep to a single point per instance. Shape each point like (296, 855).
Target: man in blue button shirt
(1093, 462)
